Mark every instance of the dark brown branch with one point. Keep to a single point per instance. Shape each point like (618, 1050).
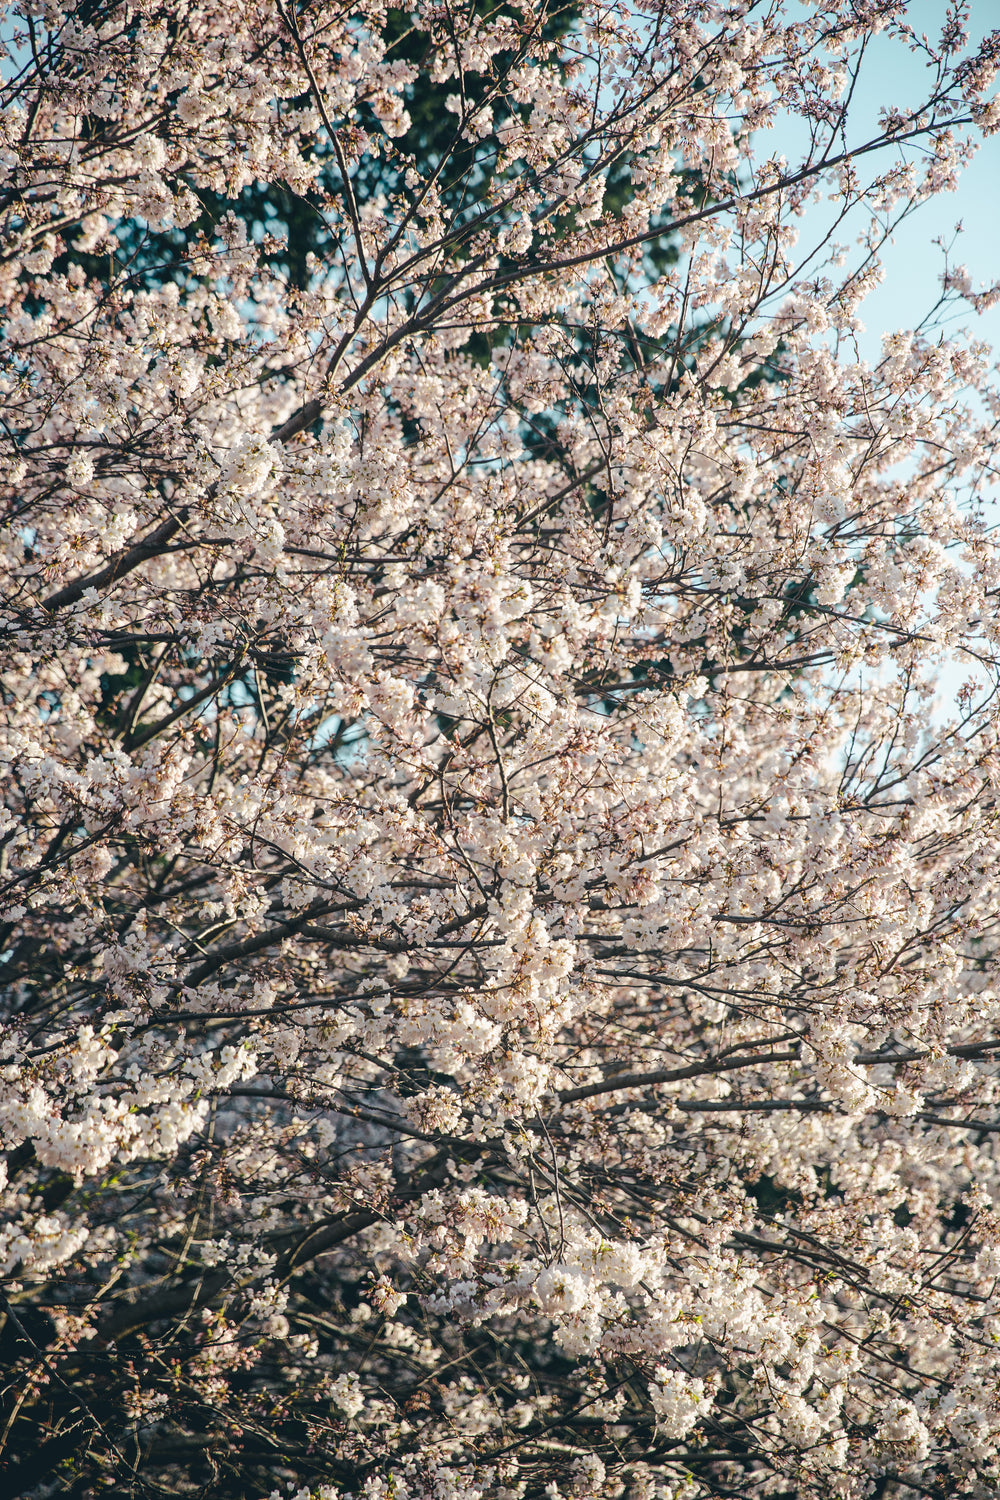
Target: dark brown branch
(122, 563)
(724, 1065)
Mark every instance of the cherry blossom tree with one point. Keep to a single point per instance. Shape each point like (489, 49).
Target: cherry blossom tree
(497, 954)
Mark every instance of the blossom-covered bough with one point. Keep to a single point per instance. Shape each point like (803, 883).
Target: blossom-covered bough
(498, 952)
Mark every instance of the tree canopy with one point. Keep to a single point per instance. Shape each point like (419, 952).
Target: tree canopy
(497, 986)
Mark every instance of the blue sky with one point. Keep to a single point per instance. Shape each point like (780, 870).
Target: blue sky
(893, 75)
(914, 263)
